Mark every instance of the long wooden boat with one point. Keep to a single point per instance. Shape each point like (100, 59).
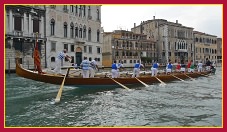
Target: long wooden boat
(101, 81)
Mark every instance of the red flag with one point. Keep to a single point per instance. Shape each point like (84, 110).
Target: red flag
(37, 58)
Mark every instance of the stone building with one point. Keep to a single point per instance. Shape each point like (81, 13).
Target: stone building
(21, 25)
(128, 47)
(219, 50)
(174, 41)
(76, 28)
(205, 47)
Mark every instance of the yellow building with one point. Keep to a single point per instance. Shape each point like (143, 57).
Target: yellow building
(205, 47)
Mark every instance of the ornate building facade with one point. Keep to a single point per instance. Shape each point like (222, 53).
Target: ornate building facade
(21, 25)
(174, 41)
(76, 28)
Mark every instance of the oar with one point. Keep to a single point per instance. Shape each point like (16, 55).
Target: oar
(142, 82)
(119, 83)
(177, 77)
(189, 76)
(203, 74)
(160, 81)
(61, 88)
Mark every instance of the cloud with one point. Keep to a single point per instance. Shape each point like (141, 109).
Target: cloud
(203, 18)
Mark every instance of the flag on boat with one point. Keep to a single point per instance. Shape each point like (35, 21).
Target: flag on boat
(37, 58)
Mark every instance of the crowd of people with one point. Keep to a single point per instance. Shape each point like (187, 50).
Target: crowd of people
(89, 67)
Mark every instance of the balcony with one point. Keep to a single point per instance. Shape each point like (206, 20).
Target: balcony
(182, 50)
(79, 40)
(18, 33)
(33, 35)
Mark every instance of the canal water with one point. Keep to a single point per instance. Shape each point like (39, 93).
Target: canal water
(195, 103)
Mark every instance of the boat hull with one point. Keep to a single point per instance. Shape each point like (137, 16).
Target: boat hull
(101, 81)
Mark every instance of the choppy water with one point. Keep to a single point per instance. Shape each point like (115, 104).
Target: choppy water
(188, 104)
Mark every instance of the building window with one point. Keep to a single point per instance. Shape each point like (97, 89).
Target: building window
(72, 48)
(53, 46)
(71, 8)
(80, 10)
(52, 59)
(98, 35)
(66, 47)
(90, 49)
(80, 32)
(35, 25)
(84, 31)
(65, 29)
(71, 30)
(98, 17)
(89, 11)
(84, 10)
(52, 26)
(65, 8)
(76, 9)
(76, 32)
(17, 23)
(89, 34)
(99, 50)
(85, 49)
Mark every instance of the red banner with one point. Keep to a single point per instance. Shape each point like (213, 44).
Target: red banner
(37, 59)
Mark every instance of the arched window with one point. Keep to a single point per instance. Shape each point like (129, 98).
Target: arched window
(71, 30)
(52, 59)
(76, 10)
(98, 14)
(84, 31)
(76, 31)
(98, 33)
(89, 11)
(80, 32)
(89, 34)
(84, 10)
(65, 29)
(52, 26)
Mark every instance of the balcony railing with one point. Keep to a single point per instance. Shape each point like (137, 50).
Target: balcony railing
(18, 33)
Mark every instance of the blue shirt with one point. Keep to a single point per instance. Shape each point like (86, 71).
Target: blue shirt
(61, 56)
(114, 66)
(169, 66)
(85, 64)
(155, 65)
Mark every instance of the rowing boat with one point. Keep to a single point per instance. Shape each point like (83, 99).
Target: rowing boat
(100, 80)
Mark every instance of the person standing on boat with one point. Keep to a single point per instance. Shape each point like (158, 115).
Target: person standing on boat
(178, 67)
(154, 69)
(121, 66)
(136, 70)
(200, 66)
(60, 58)
(208, 64)
(182, 69)
(85, 67)
(192, 67)
(189, 65)
(169, 68)
(114, 70)
(93, 67)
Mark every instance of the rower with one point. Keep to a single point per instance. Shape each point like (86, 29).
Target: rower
(169, 68)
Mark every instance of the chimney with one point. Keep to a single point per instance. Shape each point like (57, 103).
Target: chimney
(134, 24)
(176, 21)
(153, 17)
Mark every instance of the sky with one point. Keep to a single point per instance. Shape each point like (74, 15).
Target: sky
(203, 18)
